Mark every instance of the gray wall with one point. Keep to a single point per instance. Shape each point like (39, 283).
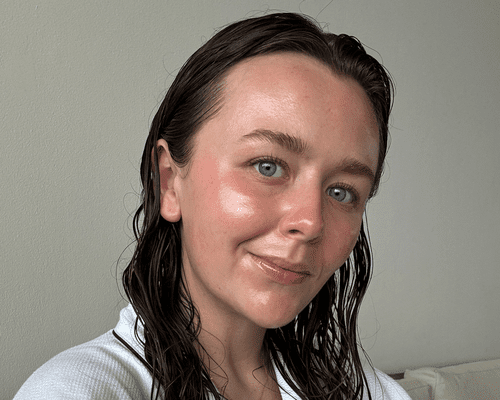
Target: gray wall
(79, 83)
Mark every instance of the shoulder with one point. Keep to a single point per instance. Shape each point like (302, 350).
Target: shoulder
(382, 386)
(100, 369)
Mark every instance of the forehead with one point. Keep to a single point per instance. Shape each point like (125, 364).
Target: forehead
(295, 75)
(295, 94)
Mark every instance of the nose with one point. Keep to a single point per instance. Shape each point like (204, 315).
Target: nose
(303, 214)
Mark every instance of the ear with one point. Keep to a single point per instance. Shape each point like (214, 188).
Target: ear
(169, 175)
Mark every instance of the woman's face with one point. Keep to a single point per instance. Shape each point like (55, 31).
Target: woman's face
(273, 198)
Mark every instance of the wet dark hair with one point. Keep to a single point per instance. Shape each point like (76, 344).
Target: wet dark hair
(317, 353)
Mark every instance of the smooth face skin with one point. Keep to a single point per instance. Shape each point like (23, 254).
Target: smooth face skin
(254, 209)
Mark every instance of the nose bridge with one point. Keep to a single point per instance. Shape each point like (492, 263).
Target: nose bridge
(303, 211)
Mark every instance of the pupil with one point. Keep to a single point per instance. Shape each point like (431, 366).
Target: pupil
(267, 169)
(339, 194)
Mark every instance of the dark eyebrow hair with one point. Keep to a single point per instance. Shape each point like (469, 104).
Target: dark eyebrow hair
(354, 167)
(298, 146)
(290, 143)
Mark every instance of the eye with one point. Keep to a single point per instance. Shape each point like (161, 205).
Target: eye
(340, 194)
(269, 169)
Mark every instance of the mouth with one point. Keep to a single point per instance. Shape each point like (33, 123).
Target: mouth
(281, 271)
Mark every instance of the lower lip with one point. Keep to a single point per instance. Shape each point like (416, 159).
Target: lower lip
(279, 274)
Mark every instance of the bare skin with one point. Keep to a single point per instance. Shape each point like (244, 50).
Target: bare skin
(266, 221)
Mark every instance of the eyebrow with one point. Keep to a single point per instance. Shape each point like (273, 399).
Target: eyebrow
(354, 167)
(291, 143)
(298, 146)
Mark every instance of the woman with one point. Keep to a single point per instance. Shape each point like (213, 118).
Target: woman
(251, 258)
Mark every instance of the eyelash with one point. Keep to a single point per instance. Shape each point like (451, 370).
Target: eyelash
(284, 166)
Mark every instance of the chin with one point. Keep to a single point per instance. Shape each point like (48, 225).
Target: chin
(274, 309)
(273, 320)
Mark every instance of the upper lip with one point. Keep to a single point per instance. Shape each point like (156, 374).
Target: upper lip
(299, 268)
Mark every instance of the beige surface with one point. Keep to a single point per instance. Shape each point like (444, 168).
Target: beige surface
(478, 380)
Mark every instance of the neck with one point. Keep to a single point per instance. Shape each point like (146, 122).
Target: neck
(237, 363)
(232, 349)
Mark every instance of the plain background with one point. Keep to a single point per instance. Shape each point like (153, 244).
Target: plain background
(79, 84)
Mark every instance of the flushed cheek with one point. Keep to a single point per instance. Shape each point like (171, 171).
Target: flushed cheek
(201, 188)
(342, 239)
(242, 208)
(234, 204)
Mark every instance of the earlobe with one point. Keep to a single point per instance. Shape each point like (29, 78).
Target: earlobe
(169, 175)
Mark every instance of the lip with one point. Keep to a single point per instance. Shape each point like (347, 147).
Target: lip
(281, 271)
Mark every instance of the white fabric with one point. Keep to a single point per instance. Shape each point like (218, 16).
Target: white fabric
(105, 369)
(478, 380)
(416, 389)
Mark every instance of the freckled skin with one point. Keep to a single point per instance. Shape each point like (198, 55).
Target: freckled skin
(229, 210)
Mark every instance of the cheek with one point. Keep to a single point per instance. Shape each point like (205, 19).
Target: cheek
(227, 204)
(235, 204)
(342, 236)
(244, 210)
